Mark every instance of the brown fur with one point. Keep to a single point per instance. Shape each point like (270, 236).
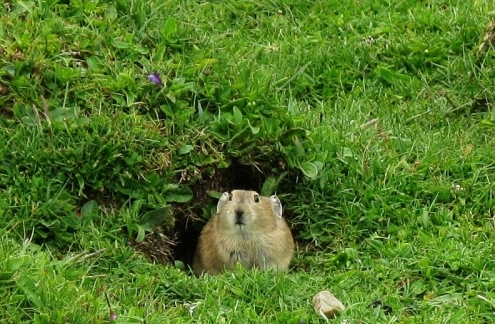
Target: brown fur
(245, 231)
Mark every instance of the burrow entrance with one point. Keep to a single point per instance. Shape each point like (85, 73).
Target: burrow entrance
(178, 243)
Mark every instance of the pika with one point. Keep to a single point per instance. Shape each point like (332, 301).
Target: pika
(247, 228)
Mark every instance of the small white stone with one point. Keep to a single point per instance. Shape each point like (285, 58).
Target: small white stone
(327, 305)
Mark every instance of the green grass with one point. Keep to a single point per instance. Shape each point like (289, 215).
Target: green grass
(99, 165)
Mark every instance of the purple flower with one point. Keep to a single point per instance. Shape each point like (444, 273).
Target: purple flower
(155, 78)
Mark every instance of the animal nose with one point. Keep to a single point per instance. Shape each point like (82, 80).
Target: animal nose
(239, 216)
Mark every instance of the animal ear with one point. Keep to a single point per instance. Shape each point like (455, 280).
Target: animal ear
(221, 202)
(277, 205)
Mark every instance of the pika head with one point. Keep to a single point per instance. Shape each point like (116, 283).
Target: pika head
(247, 229)
(247, 211)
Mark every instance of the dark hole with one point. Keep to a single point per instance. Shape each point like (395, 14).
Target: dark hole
(480, 105)
(189, 224)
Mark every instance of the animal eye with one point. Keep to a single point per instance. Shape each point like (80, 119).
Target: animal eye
(230, 196)
(256, 198)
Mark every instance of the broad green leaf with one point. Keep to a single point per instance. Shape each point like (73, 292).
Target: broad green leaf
(159, 53)
(487, 122)
(88, 208)
(269, 186)
(341, 258)
(154, 218)
(237, 116)
(381, 30)
(185, 149)
(94, 63)
(130, 187)
(170, 28)
(299, 147)
(214, 194)
(390, 76)
(130, 98)
(10, 69)
(29, 120)
(167, 110)
(219, 135)
(254, 129)
(290, 133)
(206, 159)
(154, 179)
(178, 193)
(241, 102)
(141, 234)
(156, 199)
(179, 265)
(453, 298)
(352, 253)
(319, 165)
(28, 287)
(239, 86)
(60, 113)
(227, 117)
(141, 50)
(26, 5)
(136, 206)
(111, 13)
(238, 292)
(41, 233)
(347, 152)
(15, 263)
(119, 44)
(424, 263)
(32, 297)
(241, 136)
(309, 170)
(425, 218)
